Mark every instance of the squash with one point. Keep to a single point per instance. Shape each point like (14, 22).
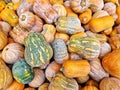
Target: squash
(97, 72)
(110, 83)
(87, 47)
(44, 10)
(75, 68)
(49, 32)
(2, 5)
(44, 86)
(22, 72)
(60, 51)
(18, 34)
(16, 86)
(60, 82)
(100, 24)
(5, 76)
(12, 52)
(39, 78)
(74, 56)
(86, 16)
(9, 16)
(89, 88)
(51, 70)
(82, 79)
(30, 21)
(110, 63)
(92, 82)
(78, 6)
(118, 13)
(3, 40)
(56, 2)
(29, 88)
(63, 36)
(69, 25)
(37, 51)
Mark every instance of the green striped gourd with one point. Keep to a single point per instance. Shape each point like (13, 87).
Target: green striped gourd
(37, 51)
(69, 25)
(22, 72)
(60, 50)
(87, 47)
(60, 82)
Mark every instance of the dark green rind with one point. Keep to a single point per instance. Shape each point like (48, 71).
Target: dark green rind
(22, 72)
(37, 51)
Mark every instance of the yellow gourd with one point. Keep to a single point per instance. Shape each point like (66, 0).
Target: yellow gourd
(2, 5)
(114, 32)
(16, 5)
(118, 13)
(56, 2)
(113, 1)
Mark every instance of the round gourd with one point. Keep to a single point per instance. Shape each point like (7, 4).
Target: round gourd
(12, 52)
(88, 47)
(60, 82)
(92, 82)
(22, 72)
(37, 51)
(5, 76)
(3, 40)
(82, 79)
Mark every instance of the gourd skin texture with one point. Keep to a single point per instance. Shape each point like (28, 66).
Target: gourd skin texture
(37, 51)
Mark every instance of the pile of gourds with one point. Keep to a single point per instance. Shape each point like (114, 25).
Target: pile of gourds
(59, 45)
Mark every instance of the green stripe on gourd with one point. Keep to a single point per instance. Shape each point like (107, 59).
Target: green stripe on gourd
(87, 47)
(22, 72)
(37, 51)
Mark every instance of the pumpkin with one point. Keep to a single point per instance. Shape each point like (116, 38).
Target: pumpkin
(86, 16)
(87, 47)
(92, 82)
(2, 5)
(60, 51)
(69, 25)
(51, 70)
(18, 34)
(39, 78)
(44, 10)
(96, 5)
(30, 21)
(110, 83)
(110, 63)
(63, 36)
(60, 9)
(74, 56)
(16, 86)
(5, 76)
(37, 51)
(82, 79)
(29, 88)
(49, 32)
(26, 5)
(60, 82)
(22, 72)
(13, 49)
(9, 16)
(5, 27)
(3, 40)
(118, 13)
(89, 88)
(56, 2)
(100, 24)
(44, 86)
(97, 72)
(78, 6)
(75, 68)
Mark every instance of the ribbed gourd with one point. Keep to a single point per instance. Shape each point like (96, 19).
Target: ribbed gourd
(37, 51)
(87, 47)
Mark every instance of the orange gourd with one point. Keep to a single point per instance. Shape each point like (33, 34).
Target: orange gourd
(118, 13)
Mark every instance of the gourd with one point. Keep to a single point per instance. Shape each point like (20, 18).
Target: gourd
(30, 22)
(78, 6)
(12, 52)
(74, 56)
(3, 40)
(100, 24)
(16, 86)
(5, 76)
(113, 1)
(60, 51)
(92, 82)
(49, 32)
(110, 63)
(63, 83)
(37, 51)
(82, 79)
(29, 88)
(2, 5)
(44, 86)
(87, 47)
(56, 2)
(69, 25)
(22, 72)
(18, 34)
(44, 10)
(51, 70)
(39, 78)
(89, 88)
(75, 68)
(118, 13)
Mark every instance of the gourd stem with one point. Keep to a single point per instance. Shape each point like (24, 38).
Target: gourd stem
(23, 18)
